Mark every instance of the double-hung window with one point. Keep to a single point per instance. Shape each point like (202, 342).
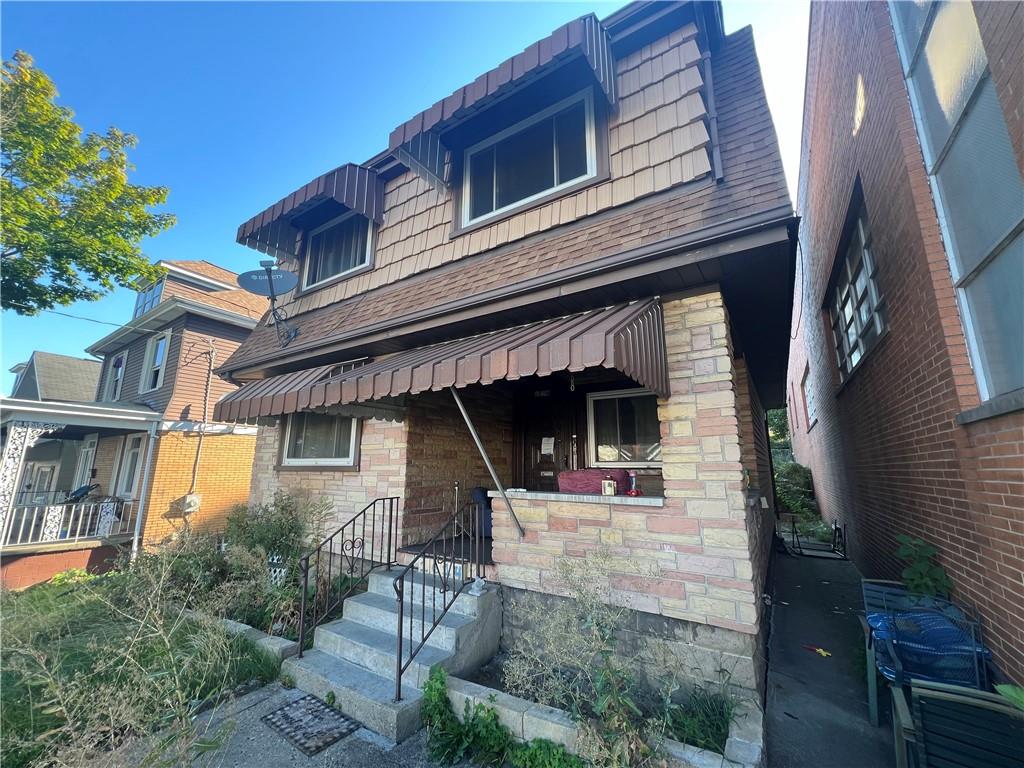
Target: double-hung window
(148, 298)
(545, 153)
(157, 350)
(975, 180)
(319, 439)
(857, 310)
(130, 466)
(623, 429)
(115, 377)
(338, 247)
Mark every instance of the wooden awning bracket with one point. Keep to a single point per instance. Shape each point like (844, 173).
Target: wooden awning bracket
(487, 460)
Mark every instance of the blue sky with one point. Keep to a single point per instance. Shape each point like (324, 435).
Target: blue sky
(236, 104)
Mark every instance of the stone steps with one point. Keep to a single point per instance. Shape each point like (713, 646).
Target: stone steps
(355, 656)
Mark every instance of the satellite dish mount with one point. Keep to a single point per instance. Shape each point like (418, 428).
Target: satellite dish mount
(268, 282)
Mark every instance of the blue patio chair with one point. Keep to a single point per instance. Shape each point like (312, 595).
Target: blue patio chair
(948, 726)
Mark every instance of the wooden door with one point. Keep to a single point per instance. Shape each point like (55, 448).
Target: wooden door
(546, 419)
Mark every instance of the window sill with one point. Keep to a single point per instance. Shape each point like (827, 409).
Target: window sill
(1000, 405)
(317, 467)
(598, 178)
(583, 498)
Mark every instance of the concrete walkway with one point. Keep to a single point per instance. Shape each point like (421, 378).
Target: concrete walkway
(254, 743)
(817, 715)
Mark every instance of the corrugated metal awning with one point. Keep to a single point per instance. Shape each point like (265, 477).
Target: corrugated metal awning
(350, 187)
(626, 337)
(417, 141)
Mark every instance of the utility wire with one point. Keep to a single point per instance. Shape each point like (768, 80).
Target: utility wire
(68, 314)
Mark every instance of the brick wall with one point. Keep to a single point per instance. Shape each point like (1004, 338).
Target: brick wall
(20, 571)
(381, 471)
(225, 472)
(441, 452)
(887, 454)
(107, 449)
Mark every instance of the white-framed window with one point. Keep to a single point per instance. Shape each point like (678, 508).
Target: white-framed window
(157, 350)
(86, 458)
(857, 310)
(975, 180)
(623, 429)
(319, 439)
(129, 466)
(148, 297)
(544, 153)
(342, 245)
(115, 377)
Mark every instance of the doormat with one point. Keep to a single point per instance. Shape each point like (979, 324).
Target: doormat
(310, 725)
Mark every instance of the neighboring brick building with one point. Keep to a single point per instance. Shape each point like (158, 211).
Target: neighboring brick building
(622, 307)
(914, 424)
(154, 394)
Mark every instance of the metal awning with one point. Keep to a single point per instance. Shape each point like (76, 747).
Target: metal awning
(417, 142)
(626, 337)
(347, 188)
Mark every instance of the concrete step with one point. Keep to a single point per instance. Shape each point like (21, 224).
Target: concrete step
(376, 650)
(359, 693)
(423, 589)
(380, 612)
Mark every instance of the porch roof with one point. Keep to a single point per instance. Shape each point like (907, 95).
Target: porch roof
(627, 337)
(73, 414)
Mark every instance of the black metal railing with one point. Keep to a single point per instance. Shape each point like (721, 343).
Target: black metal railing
(342, 563)
(444, 567)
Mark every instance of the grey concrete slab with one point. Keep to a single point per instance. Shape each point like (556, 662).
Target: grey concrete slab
(817, 715)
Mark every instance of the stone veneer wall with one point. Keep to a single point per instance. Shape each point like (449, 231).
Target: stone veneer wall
(698, 561)
(381, 470)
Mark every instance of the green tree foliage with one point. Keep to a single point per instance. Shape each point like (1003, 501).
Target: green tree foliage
(71, 221)
(778, 428)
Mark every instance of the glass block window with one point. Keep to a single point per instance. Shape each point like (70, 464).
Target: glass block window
(857, 310)
(975, 180)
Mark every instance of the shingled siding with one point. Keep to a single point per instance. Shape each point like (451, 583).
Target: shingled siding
(156, 399)
(887, 454)
(193, 369)
(753, 182)
(657, 138)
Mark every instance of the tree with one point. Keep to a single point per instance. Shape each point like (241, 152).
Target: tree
(71, 221)
(778, 428)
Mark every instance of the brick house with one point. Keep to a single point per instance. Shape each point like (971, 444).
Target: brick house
(134, 443)
(905, 379)
(590, 249)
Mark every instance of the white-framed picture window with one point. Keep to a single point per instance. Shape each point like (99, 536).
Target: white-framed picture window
(623, 429)
(115, 377)
(319, 439)
(340, 246)
(129, 466)
(547, 152)
(975, 180)
(157, 351)
(148, 297)
(857, 310)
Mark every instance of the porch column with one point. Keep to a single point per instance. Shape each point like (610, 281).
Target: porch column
(21, 435)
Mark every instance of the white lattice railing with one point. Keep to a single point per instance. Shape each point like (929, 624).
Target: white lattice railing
(51, 523)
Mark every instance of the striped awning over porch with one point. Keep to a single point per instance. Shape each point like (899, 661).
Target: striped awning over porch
(626, 337)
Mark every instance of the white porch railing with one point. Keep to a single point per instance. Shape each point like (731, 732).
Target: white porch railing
(57, 523)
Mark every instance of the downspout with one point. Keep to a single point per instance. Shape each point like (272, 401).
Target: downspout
(487, 460)
(140, 513)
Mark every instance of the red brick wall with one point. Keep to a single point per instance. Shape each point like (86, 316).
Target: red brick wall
(887, 454)
(20, 571)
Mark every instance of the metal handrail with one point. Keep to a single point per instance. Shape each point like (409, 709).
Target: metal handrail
(355, 561)
(456, 554)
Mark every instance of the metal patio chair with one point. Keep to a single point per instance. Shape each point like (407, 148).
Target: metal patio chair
(948, 726)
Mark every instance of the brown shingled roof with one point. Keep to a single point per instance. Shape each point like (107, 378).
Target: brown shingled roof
(204, 268)
(239, 301)
(753, 182)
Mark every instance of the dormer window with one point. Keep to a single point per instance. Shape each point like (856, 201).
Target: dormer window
(148, 298)
(533, 158)
(342, 245)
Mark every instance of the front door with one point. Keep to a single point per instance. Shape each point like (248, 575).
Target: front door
(43, 484)
(547, 427)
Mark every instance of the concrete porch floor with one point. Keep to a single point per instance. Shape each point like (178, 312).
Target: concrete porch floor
(817, 712)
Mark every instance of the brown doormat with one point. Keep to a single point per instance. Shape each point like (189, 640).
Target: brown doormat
(310, 725)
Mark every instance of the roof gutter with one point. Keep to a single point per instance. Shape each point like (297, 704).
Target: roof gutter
(547, 286)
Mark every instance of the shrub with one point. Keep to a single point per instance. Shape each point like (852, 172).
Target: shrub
(703, 720)
(72, 576)
(794, 488)
(541, 753)
(922, 573)
(285, 527)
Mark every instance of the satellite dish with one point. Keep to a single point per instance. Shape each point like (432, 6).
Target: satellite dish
(268, 282)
